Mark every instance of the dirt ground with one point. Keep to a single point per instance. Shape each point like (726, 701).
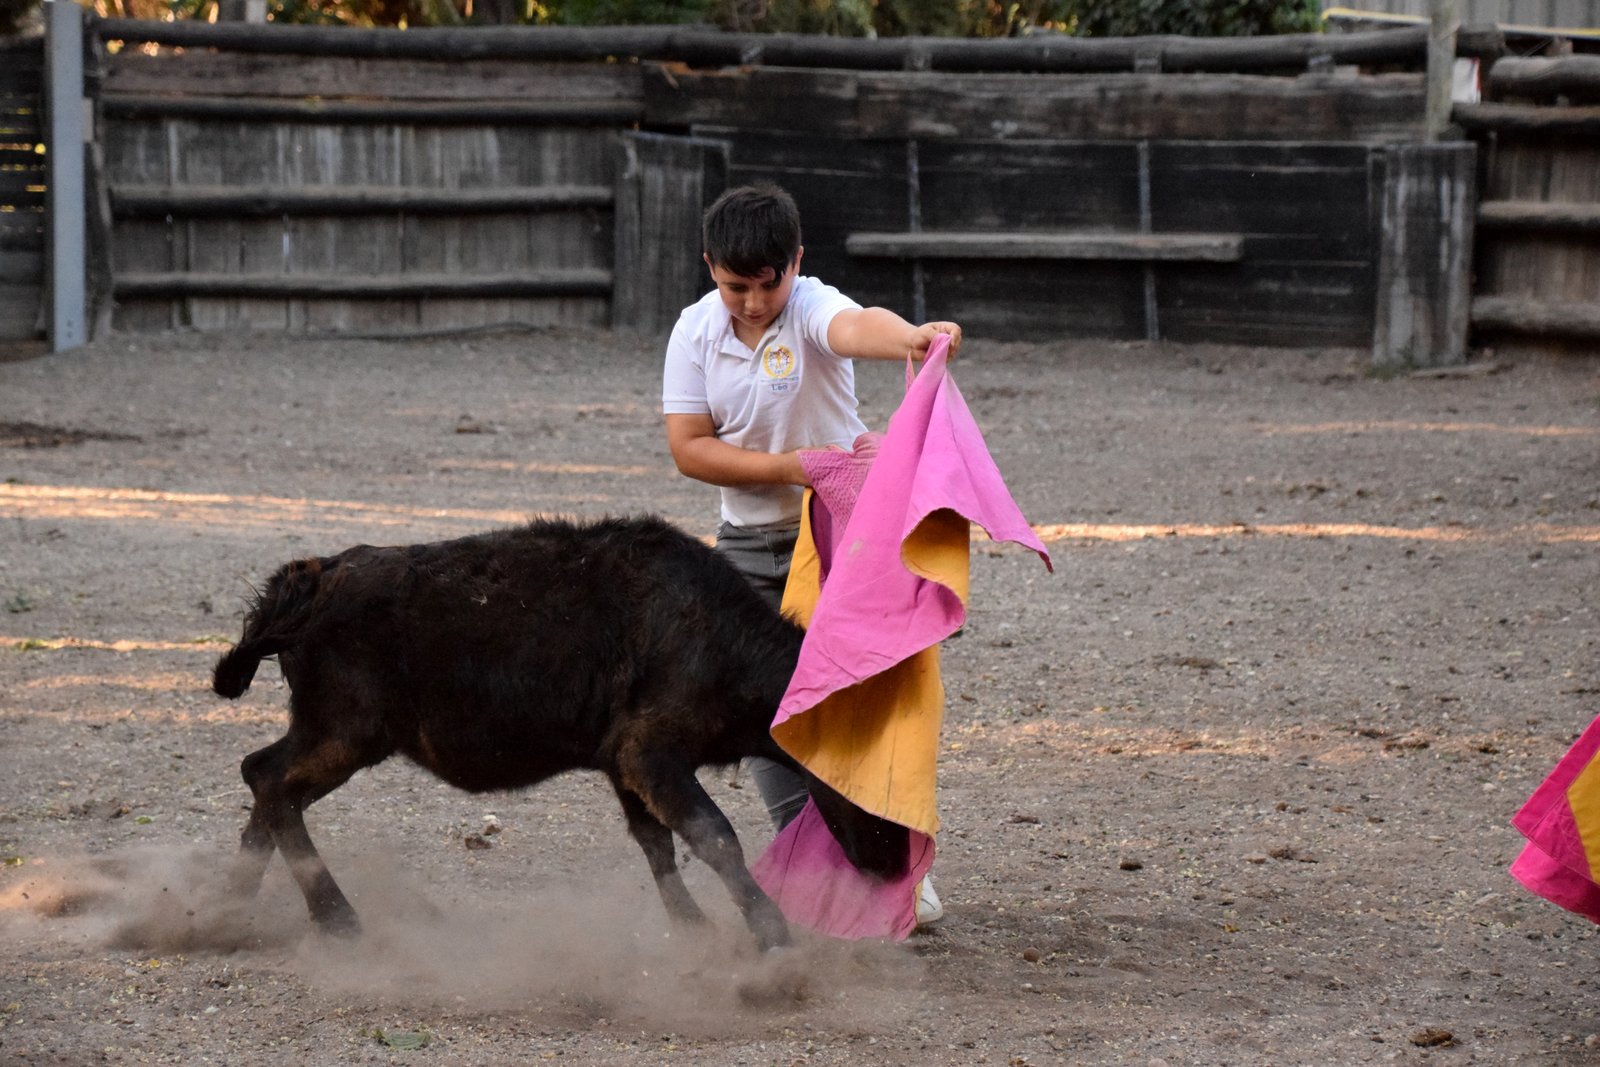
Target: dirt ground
(1230, 787)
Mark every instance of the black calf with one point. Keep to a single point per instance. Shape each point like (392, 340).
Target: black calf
(499, 660)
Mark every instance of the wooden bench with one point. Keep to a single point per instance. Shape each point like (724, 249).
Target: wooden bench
(1145, 247)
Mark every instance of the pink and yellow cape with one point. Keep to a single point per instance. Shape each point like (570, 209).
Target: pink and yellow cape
(1561, 820)
(880, 577)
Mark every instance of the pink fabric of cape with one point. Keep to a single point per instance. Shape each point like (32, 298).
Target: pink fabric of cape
(879, 607)
(1561, 821)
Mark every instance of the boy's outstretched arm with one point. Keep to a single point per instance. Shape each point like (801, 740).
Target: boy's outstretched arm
(878, 333)
(701, 456)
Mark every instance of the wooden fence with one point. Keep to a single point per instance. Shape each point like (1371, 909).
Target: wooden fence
(22, 188)
(336, 193)
(373, 181)
(1538, 249)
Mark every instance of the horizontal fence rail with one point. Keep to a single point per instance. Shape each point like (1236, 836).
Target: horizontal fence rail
(357, 112)
(341, 286)
(134, 201)
(698, 47)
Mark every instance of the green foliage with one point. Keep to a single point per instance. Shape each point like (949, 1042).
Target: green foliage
(844, 18)
(621, 12)
(1193, 18)
(364, 12)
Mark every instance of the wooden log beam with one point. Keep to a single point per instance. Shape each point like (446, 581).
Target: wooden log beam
(1212, 247)
(135, 284)
(1576, 77)
(206, 73)
(1519, 315)
(400, 113)
(1404, 46)
(1539, 215)
(1529, 121)
(897, 106)
(194, 201)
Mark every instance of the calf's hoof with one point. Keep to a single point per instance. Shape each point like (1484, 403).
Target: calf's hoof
(338, 922)
(773, 938)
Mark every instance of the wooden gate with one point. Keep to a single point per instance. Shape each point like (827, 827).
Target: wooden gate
(336, 194)
(22, 189)
(1538, 252)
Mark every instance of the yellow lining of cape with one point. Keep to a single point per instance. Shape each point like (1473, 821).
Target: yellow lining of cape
(877, 742)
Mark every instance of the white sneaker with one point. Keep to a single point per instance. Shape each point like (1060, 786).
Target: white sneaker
(929, 910)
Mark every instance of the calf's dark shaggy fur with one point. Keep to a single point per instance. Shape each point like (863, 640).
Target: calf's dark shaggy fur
(498, 660)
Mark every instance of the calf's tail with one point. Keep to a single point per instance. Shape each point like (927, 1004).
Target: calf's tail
(273, 625)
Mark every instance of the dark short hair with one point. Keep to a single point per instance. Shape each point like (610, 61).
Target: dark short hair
(751, 228)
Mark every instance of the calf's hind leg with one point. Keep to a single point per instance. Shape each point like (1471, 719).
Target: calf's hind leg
(286, 778)
(255, 842)
(656, 841)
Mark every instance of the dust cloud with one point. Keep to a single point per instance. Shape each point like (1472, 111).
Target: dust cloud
(597, 951)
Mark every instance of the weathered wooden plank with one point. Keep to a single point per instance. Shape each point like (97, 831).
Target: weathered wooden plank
(1525, 119)
(1538, 318)
(132, 201)
(1292, 201)
(664, 185)
(138, 284)
(136, 153)
(1267, 301)
(1544, 265)
(1026, 300)
(445, 314)
(416, 112)
(896, 106)
(20, 307)
(99, 225)
(1212, 247)
(214, 74)
(1060, 107)
(1425, 254)
(491, 156)
(22, 267)
(772, 100)
(145, 316)
(1538, 215)
(1008, 185)
(1141, 106)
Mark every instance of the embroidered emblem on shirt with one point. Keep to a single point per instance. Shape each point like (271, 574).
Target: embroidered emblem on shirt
(778, 361)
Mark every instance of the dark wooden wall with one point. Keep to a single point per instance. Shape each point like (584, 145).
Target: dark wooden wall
(22, 196)
(360, 185)
(1286, 163)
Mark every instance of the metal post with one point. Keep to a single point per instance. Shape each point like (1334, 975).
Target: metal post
(1152, 319)
(1446, 23)
(64, 185)
(919, 280)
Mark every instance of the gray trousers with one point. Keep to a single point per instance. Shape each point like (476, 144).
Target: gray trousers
(763, 556)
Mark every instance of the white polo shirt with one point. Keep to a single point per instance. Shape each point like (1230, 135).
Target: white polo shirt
(790, 391)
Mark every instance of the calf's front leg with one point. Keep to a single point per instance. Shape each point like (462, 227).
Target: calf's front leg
(676, 799)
